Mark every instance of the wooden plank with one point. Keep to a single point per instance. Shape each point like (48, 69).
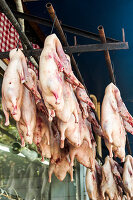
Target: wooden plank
(77, 49)
(96, 47)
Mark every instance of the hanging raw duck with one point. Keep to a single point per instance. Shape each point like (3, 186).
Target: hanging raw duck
(113, 113)
(26, 124)
(128, 176)
(12, 87)
(51, 86)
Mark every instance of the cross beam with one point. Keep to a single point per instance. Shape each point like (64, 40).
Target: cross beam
(77, 49)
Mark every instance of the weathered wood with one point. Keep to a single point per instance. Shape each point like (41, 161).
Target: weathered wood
(77, 49)
(96, 47)
(67, 28)
(106, 54)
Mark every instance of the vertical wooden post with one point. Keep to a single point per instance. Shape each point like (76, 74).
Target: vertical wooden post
(97, 109)
(99, 140)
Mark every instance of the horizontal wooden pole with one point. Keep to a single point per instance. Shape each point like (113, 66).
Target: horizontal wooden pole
(66, 28)
(77, 49)
(96, 47)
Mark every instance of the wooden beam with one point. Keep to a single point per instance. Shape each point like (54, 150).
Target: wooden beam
(77, 49)
(96, 47)
(66, 28)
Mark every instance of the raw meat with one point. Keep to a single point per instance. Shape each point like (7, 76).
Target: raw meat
(93, 181)
(44, 148)
(84, 154)
(82, 95)
(112, 124)
(27, 122)
(95, 126)
(122, 107)
(51, 85)
(69, 103)
(41, 129)
(128, 176)
(59, 162)
(74, 132)
(84, 108)
(42, 136)
(108, 184)
(12, 87)
(61, 167)
(67, 70)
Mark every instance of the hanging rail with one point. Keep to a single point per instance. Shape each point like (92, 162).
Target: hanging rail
(76, 49)
(111, 72)
(69, 29)
(16, 25)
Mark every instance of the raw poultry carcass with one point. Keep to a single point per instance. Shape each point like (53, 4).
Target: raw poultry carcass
(69, 107)
(128, 176)
(61, 167)
(118, 151)
(64, 63)
(84, 109)
(128, 127)
(84, 154)
(41, 129)
(122, 107)
(74, 132)
(59, 162)
(109, 184)
(95, 126)
(112, 123)
(117, 171)
(50, 78)
(31, 84)
(41, 136)
(69, 75)
(55, 143)
(12, 87)
(88, 114)
(47, 139)
(70, 131)
(82, 96)
(27, 122)
(93, 181)
(44, 148)
(85, 105)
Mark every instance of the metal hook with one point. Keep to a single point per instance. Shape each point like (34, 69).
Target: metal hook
(53, 24)
(18, 39)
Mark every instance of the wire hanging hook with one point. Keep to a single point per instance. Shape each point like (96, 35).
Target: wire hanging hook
(53, 24)
(18, 39)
